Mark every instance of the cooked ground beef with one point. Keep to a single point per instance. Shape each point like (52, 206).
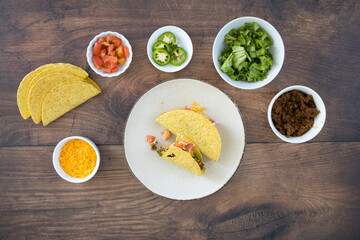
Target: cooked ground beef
(153, 146)
(293, 113)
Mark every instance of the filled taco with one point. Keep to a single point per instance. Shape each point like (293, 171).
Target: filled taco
(196, 126)
(184, 153)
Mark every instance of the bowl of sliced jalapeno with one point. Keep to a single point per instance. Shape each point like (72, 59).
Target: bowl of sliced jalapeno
(169, 49)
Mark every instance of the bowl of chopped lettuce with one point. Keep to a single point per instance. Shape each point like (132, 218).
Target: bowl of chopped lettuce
(248, 52)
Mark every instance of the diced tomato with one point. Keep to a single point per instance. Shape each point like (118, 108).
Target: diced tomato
(97, 65)
(105, 43)
(113, 39)
(187, 108)
(103, 53)
(165, 134)
(120, 52)
(150, 139)
(179, 145)
(108, 53)
(113, 60)
(121, 61)
(190, 147)
(97, 49)
(106, 61)
(126, 52)
(110, 50)
(110, 59)
(107, 70)
(115, 69)
(97, 61)
(108, 66)
(100, 40)
(113, 65)
(213, 122)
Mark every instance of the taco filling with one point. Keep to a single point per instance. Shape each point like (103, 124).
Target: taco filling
(185, 154)
(187, 147)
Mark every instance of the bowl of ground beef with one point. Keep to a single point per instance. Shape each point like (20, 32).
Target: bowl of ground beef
(296, 114)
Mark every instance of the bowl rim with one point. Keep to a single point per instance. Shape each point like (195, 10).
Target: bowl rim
(101, 72)
(250, 85)
(312, 132)
(56, 163)
(189, 54)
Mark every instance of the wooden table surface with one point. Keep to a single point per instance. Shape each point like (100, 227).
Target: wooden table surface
(280, 190)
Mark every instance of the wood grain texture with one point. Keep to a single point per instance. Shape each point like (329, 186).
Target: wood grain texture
(280, 191)
(321, 40)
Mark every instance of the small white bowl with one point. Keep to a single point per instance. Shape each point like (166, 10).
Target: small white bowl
(122, 68)
(182, 40)
(319, 120)
(277, 50)
(61, 172)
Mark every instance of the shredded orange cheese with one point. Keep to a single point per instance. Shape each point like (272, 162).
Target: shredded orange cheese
(196, 109)
(77, 158)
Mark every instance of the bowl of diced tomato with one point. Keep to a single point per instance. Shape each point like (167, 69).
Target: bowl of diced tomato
(109, 54)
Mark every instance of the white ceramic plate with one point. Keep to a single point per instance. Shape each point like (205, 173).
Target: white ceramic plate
(277, 50)
(182, 40)
(167, 179)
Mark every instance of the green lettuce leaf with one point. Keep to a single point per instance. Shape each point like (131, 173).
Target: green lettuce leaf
(227, 65)
(247, 56)
(239, 56)
(229, 39)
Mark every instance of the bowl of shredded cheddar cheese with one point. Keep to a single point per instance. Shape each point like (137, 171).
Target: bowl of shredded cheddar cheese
(76, 159)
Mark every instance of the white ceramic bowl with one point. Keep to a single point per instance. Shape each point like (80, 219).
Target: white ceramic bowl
(277, 50)
(319, 120)
(182, 40)
(60, 171)
(122, 68)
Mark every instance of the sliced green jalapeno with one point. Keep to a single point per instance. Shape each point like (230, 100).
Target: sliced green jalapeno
(167, 38)
(163, 45)
(178, 56)
(161, 56)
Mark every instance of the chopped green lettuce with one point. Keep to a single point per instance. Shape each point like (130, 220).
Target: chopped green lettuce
(247, 56)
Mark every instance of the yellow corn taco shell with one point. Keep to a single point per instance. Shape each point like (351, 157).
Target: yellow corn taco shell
(30, 79)
(93, 84)
(182, 159)
(43, 87)
(59, 68)
(196, 127)
(64, 97)
(22, 91)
